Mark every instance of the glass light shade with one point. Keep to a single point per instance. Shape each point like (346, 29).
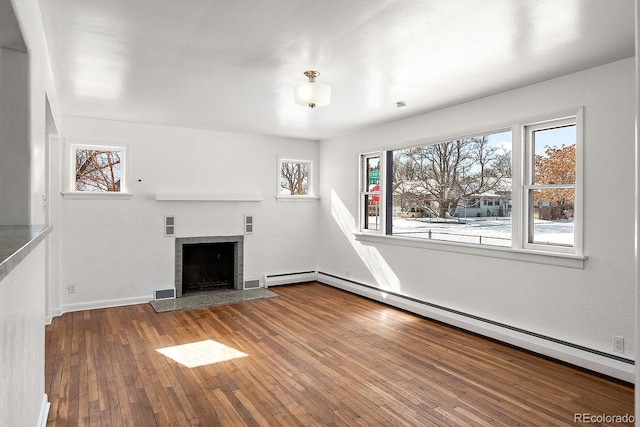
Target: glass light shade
(312, 93)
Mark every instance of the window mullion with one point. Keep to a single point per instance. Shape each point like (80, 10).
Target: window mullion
(387, 192)
(519, 172)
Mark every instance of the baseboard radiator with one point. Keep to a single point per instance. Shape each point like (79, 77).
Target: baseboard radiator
(288, 278)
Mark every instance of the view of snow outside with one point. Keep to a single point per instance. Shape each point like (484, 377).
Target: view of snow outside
(481, 226)
(483, 231)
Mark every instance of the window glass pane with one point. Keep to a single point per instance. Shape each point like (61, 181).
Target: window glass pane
(458, 190)
(372, 177)
(551, 216)
(372, 212)
(555, 155)
(98, 170)
(294, 178)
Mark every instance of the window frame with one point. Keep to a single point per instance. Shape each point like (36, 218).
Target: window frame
(529, 184)
(70, 171)
(572, 257)
(364, 192)
(310, 182)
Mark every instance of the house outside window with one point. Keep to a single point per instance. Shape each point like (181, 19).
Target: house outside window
(457, 187)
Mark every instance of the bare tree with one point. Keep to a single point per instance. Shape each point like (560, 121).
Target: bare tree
(294, 177)
(449, 172)
(98, 170)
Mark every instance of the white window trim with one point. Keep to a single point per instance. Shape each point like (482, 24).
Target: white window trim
(527, 131)
(362, 191)
(310, 182)
(69, 171)
(542, 254)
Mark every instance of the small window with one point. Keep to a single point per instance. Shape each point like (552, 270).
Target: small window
(98, 170)
(95, 171)
(294, 178)
(370, 193)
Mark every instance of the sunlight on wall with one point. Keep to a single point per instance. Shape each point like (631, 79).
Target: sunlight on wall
(375, 263)
(201, 353)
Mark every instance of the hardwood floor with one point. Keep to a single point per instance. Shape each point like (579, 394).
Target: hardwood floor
(315, 356)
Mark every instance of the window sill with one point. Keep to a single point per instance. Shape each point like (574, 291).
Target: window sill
(523, 255)
(77, 195)
(296, 198)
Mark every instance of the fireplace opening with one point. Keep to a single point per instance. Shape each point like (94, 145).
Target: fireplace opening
(207, 267)
(208, 263)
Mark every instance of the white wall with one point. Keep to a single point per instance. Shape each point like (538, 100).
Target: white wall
(580, 306)
(23, 401)
(14, 137)
(22, 342)
(637, 201)
(115, 251)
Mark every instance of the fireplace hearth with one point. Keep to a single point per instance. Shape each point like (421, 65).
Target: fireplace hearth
(205, 264)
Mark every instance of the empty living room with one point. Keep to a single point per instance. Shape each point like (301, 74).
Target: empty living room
(299, 213)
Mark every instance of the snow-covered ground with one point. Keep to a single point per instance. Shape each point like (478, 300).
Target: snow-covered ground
(485, 231)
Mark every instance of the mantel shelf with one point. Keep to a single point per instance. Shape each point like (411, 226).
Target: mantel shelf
(208, 197)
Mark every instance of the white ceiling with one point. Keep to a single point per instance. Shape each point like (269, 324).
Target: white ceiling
(232, 64)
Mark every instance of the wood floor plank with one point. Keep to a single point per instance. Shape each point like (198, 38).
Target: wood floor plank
(316, 355)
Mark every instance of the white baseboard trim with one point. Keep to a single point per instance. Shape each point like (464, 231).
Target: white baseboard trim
(596, 361)
(44, 411)
(49, 317)
(288, 278)
(92, 305)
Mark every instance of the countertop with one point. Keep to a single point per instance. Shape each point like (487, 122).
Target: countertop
(16, 242)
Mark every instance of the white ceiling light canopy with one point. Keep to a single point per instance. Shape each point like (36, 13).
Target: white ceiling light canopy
(312, 94)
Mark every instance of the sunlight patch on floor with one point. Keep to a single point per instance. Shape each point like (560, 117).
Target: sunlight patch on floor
(201, 353)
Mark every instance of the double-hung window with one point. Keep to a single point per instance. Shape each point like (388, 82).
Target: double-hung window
(550, 187)
(371, 217)
(517, 187)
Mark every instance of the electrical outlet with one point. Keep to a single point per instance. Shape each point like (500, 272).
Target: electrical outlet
(618, 344)
(72, 288)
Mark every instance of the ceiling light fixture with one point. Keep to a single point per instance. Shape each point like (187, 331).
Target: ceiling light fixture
(312, 94)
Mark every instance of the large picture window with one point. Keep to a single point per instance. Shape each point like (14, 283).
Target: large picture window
(514, 188)
(457, 190)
